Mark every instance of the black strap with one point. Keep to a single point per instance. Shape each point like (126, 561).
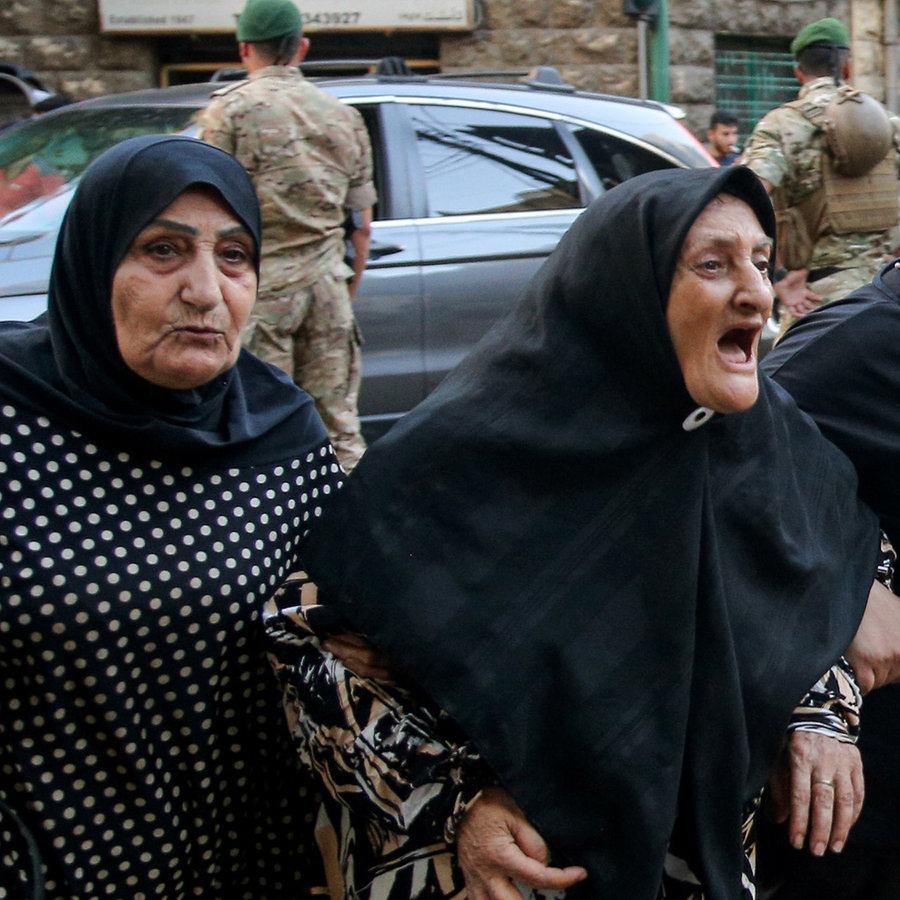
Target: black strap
(824, 272)
(34, 853)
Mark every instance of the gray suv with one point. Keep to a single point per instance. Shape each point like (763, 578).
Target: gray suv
(477, 181)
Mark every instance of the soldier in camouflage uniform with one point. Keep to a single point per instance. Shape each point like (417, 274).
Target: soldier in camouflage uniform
(786, 150)
(311, 161)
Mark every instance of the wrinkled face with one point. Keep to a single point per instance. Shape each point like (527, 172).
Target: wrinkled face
(183, 292)
(723, 138)
(719, 301)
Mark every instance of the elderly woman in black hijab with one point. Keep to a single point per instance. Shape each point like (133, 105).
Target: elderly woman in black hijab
(592, 548)
(155, 485)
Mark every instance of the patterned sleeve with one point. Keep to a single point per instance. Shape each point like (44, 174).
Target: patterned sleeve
(361, 193)
(832, 706)
(380, 749)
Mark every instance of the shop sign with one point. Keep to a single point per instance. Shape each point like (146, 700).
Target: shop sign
(203, 16)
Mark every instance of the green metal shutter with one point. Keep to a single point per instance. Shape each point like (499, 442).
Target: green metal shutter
(751, 81)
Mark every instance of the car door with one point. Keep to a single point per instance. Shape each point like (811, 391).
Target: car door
(388, 305)
(440, 274)
(502, 185)
(501, 188)
(473, 197)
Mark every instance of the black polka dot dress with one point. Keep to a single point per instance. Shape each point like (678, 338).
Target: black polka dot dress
(142, 740)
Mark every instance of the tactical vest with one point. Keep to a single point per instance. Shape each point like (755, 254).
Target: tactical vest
(859, 192)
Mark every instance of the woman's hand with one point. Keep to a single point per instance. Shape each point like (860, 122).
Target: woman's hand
(359, 656)
(818, 789)
(497, 846)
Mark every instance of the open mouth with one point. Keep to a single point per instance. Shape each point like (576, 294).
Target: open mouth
(738, 344)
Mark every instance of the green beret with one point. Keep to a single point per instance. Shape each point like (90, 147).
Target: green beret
(265, 20)
(830, 32)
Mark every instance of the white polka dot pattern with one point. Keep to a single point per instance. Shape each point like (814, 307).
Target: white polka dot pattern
(141, 729)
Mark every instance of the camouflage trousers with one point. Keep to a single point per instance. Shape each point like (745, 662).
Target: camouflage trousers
(312, 335)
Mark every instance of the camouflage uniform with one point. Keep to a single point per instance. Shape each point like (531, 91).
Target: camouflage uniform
(310, 158)
(786, 150)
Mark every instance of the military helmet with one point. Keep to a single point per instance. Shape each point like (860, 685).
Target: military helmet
(858, 131)
(266, 20)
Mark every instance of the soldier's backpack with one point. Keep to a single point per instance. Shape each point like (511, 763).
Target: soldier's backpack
(859, 190)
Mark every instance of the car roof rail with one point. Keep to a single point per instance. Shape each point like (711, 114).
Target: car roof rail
(321, 66)
(228, 73)
(383, 67)
(395, 68)
(540, 78)
(392, 65)
(547, 78)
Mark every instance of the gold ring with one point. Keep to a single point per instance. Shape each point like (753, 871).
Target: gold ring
(829, 783)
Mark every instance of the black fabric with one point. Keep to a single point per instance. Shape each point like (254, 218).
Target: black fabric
(618, 611)
(842, 365)
(858, 872)
(66, 364)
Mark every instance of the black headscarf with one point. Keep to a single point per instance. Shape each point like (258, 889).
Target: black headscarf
(620, 612)
(66, 364)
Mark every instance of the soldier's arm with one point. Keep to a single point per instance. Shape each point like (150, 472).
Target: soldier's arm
(361, 190)
(360, 237)
(764, 153)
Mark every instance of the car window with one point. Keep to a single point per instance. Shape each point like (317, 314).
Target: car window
(616, 160)
(491, 161)
(42, 155)
(369, 113)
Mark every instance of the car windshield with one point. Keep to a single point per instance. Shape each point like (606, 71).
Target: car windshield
(40, 156)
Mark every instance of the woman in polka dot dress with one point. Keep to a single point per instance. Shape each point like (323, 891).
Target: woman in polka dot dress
(155, 485)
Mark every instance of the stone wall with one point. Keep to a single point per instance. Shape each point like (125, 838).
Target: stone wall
(867, 24)
(591, 42)
(694, 25)
(595, 46)
(59, 41)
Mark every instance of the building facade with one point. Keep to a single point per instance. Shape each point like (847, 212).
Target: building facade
(696, 54)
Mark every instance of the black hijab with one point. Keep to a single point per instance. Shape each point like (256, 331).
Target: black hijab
(622, 613)
(66, 364)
